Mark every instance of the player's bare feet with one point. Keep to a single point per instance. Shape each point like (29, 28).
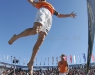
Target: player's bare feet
(30, 68)
(12, 39)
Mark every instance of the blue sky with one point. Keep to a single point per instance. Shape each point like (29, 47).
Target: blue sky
(67, 35)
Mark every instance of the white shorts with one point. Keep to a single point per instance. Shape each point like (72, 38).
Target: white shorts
(45, 18)
(62, 73)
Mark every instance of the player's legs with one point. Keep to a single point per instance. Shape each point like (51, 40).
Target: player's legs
(44, 17)
(30, 31)
(40, 40)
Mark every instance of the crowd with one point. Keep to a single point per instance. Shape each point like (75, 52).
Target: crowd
(72, 71)
(54, 71)
(5, 70)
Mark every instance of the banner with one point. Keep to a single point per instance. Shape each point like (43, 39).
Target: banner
(79, 58)
(48, 60)
(4, 57)
(11, 59)
(41, 61)
(24, 61)
(44, 61)
(7, 57)
(84, 57)
(74, 59)
(52, 60)
(56, 60)
(70, 58)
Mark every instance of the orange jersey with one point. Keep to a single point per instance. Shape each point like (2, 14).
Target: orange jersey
(45, 5)
(62, 65)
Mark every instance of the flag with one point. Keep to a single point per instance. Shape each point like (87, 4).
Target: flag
(48, 60)
(52, 60)
(92, 56)
(79, 58)
(24, 61)
(44, 61)
(14, 60)
(11, 60)
(84, 57)
(4, 57)
(7, 57)
(56, 60)
(36, 61)
(74, 59)
(41, 61)
(70, 58)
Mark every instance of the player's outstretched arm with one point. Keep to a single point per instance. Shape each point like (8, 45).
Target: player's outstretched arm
(32, 2)
(72, 15)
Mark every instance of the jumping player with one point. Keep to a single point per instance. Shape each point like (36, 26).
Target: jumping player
(42, 26)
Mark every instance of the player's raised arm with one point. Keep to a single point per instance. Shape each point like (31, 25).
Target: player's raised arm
(32, 2)
(73, 15)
